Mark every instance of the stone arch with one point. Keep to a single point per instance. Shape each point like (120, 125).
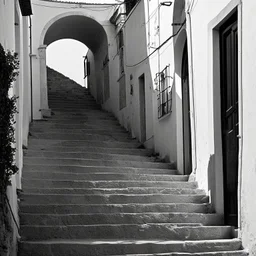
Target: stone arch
(83, 28)
(76, 17)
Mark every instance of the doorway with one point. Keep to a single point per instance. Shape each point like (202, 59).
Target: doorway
(142, 108)
(187, 154)
(229, 116)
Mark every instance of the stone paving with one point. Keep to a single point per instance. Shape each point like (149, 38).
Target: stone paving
(90, 190)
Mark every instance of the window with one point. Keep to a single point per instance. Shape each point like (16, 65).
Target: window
(120, 44)
(164, 97)
(129, 4)
(86, 67)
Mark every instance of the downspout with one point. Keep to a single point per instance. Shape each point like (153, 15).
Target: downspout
(193, 96)
(31, 73)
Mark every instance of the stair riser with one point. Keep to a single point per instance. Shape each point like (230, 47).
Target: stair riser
(121, 133)
(39, 183)
(127, 218)
(33, 143)
(111, 199)
(120, 248)
(91, 169)
(108, 163)
(81, 120)
(77, 127)
(84, 150)
(56, 155)
(114, 191)
(114, 208)
(101, 176)
(126, 232)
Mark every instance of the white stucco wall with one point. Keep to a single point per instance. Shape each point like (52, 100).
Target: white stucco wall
(47, 14)
(248, 177)
(14, 37)
(135, 50)
(203, 66)
(159, 29)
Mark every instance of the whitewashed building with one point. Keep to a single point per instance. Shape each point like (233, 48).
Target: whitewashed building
(188, 68)
(178, 75)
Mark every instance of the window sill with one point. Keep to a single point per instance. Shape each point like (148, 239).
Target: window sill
(164, 116)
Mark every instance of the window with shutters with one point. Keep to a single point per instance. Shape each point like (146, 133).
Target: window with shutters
(164, 97)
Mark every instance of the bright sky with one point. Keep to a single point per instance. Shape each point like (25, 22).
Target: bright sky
(66, 56)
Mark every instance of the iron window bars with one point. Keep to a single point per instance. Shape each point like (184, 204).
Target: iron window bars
(164, 96)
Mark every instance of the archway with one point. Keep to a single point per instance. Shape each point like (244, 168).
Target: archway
(184, 151)
(85, 30)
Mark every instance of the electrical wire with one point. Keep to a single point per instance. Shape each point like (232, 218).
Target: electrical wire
(76, 7)
(84, 3)
(159, 47)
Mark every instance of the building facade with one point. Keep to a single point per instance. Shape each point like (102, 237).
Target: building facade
(15, 37)
(178, 75)
(188, 68)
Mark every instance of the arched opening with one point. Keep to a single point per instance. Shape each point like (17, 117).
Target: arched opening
(184, 152)
(65, 54)
(187, 155)
(86, 31)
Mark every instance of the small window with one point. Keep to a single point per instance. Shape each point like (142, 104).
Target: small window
(129, 4)
(164, 97)
(120, 44)
(86, 67)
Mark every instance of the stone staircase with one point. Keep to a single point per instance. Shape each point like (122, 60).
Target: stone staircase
(90, 190)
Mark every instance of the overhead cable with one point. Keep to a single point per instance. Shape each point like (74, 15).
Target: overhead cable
(159, 47)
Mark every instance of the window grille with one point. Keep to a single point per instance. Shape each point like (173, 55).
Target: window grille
(129, 4)
(121, 58)
(164, 97)
(120, 44)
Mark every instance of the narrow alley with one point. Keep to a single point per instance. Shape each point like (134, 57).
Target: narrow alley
(151, 152)
(88, 189)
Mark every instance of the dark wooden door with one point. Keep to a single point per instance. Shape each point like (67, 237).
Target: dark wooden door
(230, 121)
(187, 156)
(142, 108)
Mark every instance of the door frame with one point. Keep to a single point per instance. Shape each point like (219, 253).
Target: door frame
(187, 146)
(225, 28)
(142, 100)
(216, 190)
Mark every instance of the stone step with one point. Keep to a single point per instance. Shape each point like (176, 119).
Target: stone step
(81, 99)
(78, 143)
(46, 124)
(100, 123)
(82, 150)
(80, 136)
(102, 176)
(124, 247)
(111, 199)
(60, 183)
(100, 114)
(114, 208)
(87, 155)
(92, 169)
(78, 98)
(81, 131)
(68, 104)
(99, 191)
(223, 253)
(73, 108)
(93, 162)
(119, 218)
(145, 231)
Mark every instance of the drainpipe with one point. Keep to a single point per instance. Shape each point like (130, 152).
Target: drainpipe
(193, 93)
(31, 73)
